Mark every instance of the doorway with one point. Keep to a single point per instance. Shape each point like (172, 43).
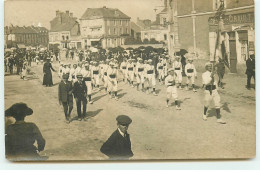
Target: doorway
(233, 52)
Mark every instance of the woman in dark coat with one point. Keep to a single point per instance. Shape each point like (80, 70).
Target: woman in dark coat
(47, 78)
(21, 136)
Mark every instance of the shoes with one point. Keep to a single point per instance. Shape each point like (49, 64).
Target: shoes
(79, 119)
(85, 119)
(155, 94)
(91, 102)
(178, 108)
(194, 90)
(167, 106)
(204, 117)
(220, 121)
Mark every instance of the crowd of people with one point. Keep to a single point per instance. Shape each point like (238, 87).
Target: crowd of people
(95, 71)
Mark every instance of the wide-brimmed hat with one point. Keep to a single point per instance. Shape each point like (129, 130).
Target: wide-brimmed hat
(18, 110)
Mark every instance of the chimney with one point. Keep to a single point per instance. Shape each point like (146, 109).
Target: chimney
(67, 12)
(71, 14)
(57, 12)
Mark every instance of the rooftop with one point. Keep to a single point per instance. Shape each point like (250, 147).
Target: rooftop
(111, 13)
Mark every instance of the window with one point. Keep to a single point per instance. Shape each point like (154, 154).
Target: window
(127, 23)
(120, 30)
(114, 30)
(114, 22)
(165, 36)
(217, 3)
(121, 22)
(126, 31)
(67, 37)
(63, 38)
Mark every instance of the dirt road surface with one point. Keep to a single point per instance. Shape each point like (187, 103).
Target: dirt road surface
(157, 132)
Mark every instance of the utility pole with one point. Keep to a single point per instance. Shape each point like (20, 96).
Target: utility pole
(173, 36)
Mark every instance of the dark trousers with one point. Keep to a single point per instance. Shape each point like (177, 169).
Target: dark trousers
(67, 106)
(249, 77)
(11, 69)
(82, 101)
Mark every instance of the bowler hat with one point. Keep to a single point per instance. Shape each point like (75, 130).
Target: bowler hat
(124, 120)
(18, 110)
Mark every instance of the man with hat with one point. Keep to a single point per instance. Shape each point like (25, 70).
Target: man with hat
(95, 74)
(140, 73)
(160, 71)
(211, 92)
(130, 72)
(123, 69)
(80, 95)
(65, 90)
(150, 74)
(250, 70)
(170, 82)
(87, 76)
(21, 136)
(112, 74)
(178, 71)
(118, 145)
(73, 74)
(191, 74)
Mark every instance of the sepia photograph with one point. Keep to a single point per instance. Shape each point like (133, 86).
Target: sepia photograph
(121, 80)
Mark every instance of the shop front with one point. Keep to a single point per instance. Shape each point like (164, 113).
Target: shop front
(237, 38)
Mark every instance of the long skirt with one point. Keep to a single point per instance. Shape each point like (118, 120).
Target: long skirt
(47, 79)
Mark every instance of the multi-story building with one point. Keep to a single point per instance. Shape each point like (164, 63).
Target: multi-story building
(26, 35)
(65, 31)
(157, 30)
(197, 27)
(104, 27)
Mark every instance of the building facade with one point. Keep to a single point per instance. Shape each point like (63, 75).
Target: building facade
(26, 35)
(197, 27)
(104, 27)
(157, 30)
(65, 31)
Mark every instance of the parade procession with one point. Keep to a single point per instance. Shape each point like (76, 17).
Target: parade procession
(80, 98)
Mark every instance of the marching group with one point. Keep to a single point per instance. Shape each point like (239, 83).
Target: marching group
(80, 79)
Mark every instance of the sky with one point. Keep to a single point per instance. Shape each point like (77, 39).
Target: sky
(31, 12)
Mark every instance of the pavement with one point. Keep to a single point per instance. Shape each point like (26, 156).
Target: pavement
(156, 132)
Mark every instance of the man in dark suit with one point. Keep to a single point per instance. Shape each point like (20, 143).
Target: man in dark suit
(118, 145)
(80, 95)
(250, 70)
(65, 96)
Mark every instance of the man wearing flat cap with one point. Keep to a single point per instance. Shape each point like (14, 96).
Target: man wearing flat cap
(80, 95)
(65, 96)
(118, 145)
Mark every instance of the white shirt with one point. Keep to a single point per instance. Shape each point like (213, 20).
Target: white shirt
(170, 80)
(206, 78)
(121, 133)
(190, 66)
